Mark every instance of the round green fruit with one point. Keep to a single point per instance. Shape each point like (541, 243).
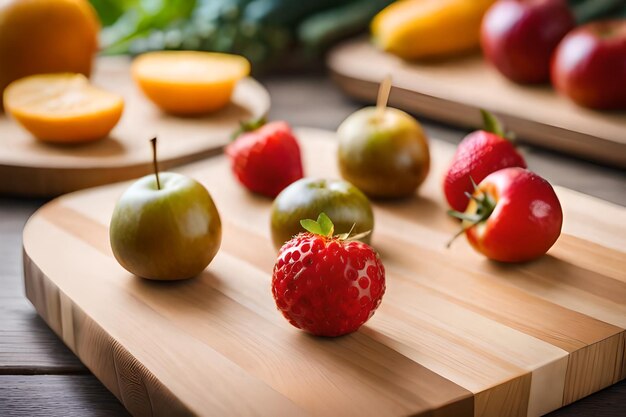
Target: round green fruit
(344, 204)
(385, 155)
(167, 233)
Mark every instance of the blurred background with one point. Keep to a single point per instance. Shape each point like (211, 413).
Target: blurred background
(261, 30)
(294, 32)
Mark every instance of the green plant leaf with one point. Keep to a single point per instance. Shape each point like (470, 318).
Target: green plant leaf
(462, 216)
(248, 126)
(492, 124)
(311, 226)
(323, 226)
(326, 225)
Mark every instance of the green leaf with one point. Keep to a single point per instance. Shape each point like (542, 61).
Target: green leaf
(492, 124)
(326, 225)
(248, 126)
(466, 217)
(311, 226)
(323, 226)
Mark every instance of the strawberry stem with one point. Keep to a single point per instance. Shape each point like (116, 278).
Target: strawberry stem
(492, 124)
(248, 126)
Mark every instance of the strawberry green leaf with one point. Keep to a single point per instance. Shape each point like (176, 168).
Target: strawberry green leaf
(485, 204)
(248, 126)
(326, 225)
(472, 218)
(323, 226)
(311, 226)
(492, 124)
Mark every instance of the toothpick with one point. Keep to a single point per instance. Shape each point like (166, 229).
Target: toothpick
(383, 96)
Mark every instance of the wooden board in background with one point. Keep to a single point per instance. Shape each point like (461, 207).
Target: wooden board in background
(453, 91)
(32, 168)
(456, 335)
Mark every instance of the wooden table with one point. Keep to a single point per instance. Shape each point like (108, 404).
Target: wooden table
(39, 376)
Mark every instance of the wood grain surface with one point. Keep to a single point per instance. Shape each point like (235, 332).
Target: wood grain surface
(453, 91)
(23, 395)
(29, 348)
(456, 335)
(32, 168)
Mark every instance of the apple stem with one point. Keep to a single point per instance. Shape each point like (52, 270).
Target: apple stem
(153, 141)
(383, 96)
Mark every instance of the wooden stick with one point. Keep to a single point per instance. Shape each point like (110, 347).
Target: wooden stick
(153, 141)
(383, 96)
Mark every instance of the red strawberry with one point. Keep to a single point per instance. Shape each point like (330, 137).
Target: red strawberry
(267, 159)
(325, 285)
(478, 155)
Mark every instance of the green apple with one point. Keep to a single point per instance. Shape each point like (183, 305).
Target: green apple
(344, 204)
(165, 228)
(385, 154)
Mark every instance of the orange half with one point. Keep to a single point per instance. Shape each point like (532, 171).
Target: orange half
(189, 82)
(63, 108)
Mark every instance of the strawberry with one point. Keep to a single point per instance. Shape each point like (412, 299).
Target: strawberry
(265, 158)
(478, 155)
(327, 285)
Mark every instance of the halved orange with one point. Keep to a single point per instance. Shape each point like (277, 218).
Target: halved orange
(46, 36)
(63, 107)
(189, 82)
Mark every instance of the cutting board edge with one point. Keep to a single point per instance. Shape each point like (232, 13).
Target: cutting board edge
(53, 181)
(60, 174)
(467, 116)
(59, 315)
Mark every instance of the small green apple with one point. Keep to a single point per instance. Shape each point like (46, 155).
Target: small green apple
(384, 153)
(165, 227)
(345, 204)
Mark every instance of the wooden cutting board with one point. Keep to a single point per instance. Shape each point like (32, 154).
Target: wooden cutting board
(456, 335)
(453, 91)
(32, 168)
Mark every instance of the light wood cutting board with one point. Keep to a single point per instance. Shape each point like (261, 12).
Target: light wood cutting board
(453, 91)
(32, 168)
(456, 335)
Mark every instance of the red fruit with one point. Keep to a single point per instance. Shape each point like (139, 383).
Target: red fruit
(267, 159)
(514, 216)
(326, 285)
(478, 155)
(589, 65)
(519, 36)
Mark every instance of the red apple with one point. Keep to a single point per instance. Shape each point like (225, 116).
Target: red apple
(519, 36)
(589, 65)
